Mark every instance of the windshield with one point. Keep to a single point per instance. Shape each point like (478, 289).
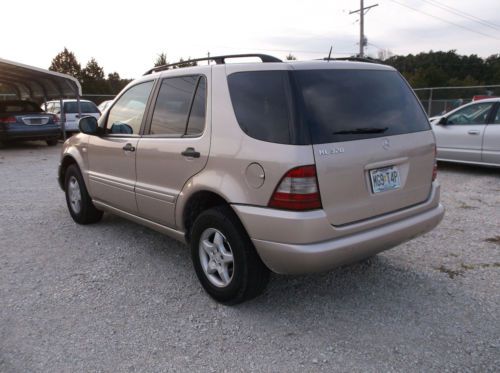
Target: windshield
(19, 107)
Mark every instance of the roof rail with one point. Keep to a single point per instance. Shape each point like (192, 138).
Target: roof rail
(359, 59)
(218, 60)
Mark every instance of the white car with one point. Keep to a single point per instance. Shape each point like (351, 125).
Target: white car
(71, 111)
(470, 133)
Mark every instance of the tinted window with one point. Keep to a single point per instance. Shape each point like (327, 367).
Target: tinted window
(262, 104)
(125, 117)
(19, 107)
(172, 106)
(472, 114)
(343, 105)
(85, 107)
(197, 116)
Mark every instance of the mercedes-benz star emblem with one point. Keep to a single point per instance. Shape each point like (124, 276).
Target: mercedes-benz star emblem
(386, 145)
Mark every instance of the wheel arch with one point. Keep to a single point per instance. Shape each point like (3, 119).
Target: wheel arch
(195, 204)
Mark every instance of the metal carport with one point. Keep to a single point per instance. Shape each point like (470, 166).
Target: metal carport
(32, 82)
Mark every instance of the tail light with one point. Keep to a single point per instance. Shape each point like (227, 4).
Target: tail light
(298, 190)
(7, 120)
(435, 169)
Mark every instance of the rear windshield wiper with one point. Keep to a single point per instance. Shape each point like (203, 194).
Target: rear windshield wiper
(362, 130)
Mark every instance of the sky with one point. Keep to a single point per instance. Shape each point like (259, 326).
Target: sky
(126, 36)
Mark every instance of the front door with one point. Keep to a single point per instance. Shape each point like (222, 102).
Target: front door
(461, 138)
(175, 146)
(112, 156)
(491, 140)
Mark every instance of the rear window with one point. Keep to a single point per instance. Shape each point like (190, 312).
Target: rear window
(343, 105)
(85, 106)
(323, 106)
(19, 107)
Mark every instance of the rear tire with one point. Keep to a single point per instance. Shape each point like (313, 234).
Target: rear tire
(220, 244)
(52, 142)
(79, 203)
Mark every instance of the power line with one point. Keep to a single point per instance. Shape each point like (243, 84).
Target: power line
(462, 14)
(444, 20)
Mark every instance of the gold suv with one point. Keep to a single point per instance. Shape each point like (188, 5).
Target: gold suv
(291, 167)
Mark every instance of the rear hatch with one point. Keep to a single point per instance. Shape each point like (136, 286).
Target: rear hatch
(372, 143)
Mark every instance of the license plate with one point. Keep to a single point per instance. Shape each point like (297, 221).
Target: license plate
(384, 179)
(35, 121)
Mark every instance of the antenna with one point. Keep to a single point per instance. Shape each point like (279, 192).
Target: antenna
(330, 54)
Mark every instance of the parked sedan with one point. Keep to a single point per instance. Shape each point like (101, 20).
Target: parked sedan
(24, 120)
(470, 133)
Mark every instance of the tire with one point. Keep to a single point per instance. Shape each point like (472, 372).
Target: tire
(79, 203)
(228, 282)
(52, 142)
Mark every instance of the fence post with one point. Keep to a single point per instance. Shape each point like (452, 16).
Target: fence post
(429, 103)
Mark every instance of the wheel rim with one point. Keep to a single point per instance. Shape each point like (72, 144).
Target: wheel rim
(74, 194)
(216, 257)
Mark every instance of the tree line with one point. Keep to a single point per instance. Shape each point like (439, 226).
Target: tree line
(449, 69)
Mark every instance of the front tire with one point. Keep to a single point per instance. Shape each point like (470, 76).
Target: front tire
(79, 203)
(225, 259)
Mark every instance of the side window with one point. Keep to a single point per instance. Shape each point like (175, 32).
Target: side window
(125, 117)
(196, 123)
(473, 114)
(175, 105)
(262, 104)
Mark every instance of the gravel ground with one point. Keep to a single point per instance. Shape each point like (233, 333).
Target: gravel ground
(116, 296)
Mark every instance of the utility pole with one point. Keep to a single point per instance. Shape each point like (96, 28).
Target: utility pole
(362, 39)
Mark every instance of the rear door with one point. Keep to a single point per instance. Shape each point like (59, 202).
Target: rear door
(175, 147)
(373, 147)
(112, 156)
(491, 139)
(461, 138)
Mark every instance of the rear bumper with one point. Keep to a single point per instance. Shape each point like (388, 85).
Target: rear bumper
(29, 132)
(304, 254)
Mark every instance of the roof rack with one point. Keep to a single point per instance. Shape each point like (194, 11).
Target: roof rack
(359, 59)
(219, 60)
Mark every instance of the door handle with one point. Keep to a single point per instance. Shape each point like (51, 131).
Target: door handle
(191, 152)
(129, 148)
(473, 132)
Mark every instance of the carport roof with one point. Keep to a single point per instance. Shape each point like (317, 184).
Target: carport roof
(30, 82)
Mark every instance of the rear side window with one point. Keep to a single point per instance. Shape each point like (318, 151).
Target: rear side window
(343, 105)
(262, 102)
(85, 107)
(180, 99)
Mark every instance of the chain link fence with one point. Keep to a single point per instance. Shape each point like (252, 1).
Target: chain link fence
(440, 100)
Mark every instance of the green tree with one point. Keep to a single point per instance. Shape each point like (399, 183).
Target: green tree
(92, 78)
(291, 57)
(65, 62)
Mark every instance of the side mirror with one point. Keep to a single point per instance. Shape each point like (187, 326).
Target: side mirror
(88, 125)
(443, 121)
